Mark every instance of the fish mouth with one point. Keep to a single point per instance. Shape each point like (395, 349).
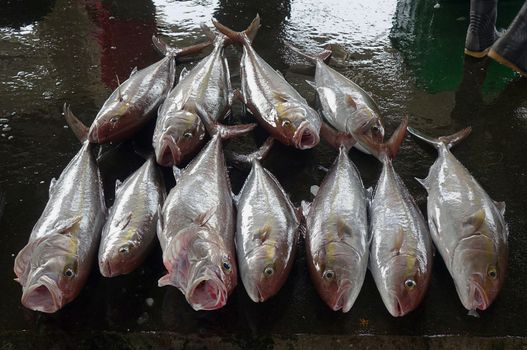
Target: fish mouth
(207, 293)
(343, 301)
(169, 153)
(108, 268)
(305, 136)
(43, 296)
(479, 296)
(256, 294)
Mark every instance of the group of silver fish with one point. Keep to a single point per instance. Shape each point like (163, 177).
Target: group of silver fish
(208, 235)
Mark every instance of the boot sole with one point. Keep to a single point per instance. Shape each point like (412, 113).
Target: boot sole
(502, 60)
(477, 54)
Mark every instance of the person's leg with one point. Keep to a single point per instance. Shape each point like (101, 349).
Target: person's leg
(481, 32)
(511, 49)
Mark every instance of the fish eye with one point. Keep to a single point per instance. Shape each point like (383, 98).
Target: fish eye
(269, 271)
(187, 135)
(114, 120)
(492, 273)
(286, 122)
(227, 266)
(125, 249)
(329, 274)
(69, 272)
(410, 284)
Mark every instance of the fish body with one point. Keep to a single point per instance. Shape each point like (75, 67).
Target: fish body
(277, 106)
(401, 247)
(206, 89)
(196, 231)
(54, 265)
(266, 234)
(337, 245)
(345, 105)
(467, 226)
(130, 230)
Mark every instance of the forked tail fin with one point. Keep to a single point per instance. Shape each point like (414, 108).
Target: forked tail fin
(244, 161)
(449, 141)
(165, 49)
(79, 129)
(246, 36)
(323, 55)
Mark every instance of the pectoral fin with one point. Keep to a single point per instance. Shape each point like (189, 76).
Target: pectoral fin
(124, 221)
(398, 242)
(66, 225)
(350, 101)
(343, 229)
(203, 218)
(474, 222)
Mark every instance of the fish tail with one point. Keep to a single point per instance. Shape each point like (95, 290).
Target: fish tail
(244, 37)
(167, 50)
(79, 129)
(336, 139)
(244, 161)
(449, 141)
(391, 147)
(323, 55)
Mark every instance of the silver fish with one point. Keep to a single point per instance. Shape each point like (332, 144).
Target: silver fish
(179, 132)
(337, 245)
(54, 265)
(467, 226)
(401, 248)
(345, 105)
(130, 230)
(136, 100)
(278, 107)
(267, 231)
(196, 231)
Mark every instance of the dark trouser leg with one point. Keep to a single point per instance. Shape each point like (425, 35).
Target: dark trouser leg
(511, 49)
(481, 32)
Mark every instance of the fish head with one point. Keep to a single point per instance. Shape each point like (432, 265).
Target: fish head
(338, 272)
(366, 123)
(478, 270)
(54, 276)
(179, 137)
(404, 282)
(120, 255)
(299, 124)
(201, 266)
(112, 122)
(264, 270)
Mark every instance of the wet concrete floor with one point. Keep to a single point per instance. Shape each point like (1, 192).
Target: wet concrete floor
(407, 54)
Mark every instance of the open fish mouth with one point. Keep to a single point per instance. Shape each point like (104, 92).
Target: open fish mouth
(305, 137)
(207, 293)
(169, 153)
(343, 301)
(478, 295)
(43, 296)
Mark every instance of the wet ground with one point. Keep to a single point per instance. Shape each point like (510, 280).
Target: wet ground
(407, 54)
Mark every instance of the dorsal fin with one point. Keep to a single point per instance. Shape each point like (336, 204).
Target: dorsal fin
(133, 71)
(119, 94)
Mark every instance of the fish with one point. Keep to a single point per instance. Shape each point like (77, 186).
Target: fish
(345, 105)
(53, 266)
(196, 227)
(467, 226)
(267, 230)
(179, 133)
(336, 237)
(135, 102)
(277, 106)
(130, 230)
(401, 251)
